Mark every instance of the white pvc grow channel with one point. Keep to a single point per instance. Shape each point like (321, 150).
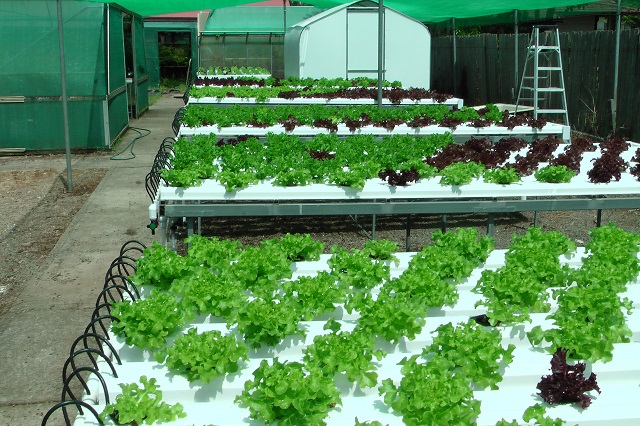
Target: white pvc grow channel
(619, 380)
(462, 131)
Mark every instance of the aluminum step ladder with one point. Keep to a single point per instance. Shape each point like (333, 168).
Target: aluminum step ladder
(542, 84)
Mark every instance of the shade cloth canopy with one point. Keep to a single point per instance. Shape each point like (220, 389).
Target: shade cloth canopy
(429, 11)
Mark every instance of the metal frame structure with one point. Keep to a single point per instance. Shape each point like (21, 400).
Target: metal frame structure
(192, 212)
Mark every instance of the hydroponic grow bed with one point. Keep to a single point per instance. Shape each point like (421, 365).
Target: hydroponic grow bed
(426, 196)
(213, 403)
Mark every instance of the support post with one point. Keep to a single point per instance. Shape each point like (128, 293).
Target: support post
(380, 50)
(614, 101)
(515, 54)
(490, 224)
(455, 56)
(63, 83)
(407, 244)
(284, 16)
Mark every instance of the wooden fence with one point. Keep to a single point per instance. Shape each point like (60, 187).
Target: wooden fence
(485, 73)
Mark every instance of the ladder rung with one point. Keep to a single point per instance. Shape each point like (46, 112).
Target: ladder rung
(545, 48)
(552, 111)
(549, 68)
(544, 89)
(550, 89)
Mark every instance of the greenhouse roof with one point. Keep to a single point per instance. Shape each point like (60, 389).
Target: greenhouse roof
(254, 20)
(473, 12)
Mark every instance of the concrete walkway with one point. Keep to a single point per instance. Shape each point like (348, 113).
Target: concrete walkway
(54, 308)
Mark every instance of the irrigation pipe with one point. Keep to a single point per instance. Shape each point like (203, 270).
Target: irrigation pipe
(131, 144)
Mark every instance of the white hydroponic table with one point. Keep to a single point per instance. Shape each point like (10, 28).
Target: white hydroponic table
(619, 380)
(426, 196)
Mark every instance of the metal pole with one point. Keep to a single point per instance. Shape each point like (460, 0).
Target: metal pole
(614, 101)
(380, 50)
(107, 48)
(134, 83)
(455, 55)
(63, 83)
(536, 64)
(515, 71)
(284, 16)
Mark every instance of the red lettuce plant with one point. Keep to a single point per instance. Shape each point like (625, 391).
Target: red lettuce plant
(566, 383)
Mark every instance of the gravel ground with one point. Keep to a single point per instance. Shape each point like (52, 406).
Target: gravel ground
(36, 209)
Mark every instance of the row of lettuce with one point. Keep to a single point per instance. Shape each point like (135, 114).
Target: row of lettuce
(253, 288)
(353, 117)
(288, 160)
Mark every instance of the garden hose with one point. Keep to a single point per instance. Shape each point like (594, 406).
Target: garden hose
(129, 147)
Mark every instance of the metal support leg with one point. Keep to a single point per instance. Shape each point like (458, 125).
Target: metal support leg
(443, 226)
(373, 227)
(599, 218)
(162, 230)
(407, 243)
(190, 226)
(490, 224)
(535, 218)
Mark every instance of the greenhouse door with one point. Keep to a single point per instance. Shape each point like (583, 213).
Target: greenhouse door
(174, 51)
(362, 42)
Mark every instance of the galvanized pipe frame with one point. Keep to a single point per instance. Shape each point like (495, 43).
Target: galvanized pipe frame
(389, 207)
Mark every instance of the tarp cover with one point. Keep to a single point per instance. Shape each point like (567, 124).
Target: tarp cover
(423, 10)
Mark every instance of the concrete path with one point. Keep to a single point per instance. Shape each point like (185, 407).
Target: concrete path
(54, 308)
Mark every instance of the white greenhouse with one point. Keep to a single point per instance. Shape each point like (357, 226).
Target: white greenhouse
(343, 42)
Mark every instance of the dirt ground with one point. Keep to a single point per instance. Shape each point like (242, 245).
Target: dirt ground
(36, 208)
(353, 232)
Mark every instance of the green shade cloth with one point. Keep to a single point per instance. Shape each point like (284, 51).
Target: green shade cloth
(255, 20)
(430, 11)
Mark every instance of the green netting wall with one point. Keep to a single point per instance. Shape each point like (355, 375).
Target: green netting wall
(30, 80)
(141, 103)
(117, 97)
